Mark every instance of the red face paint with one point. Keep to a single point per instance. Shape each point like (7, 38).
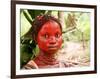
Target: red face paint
(49, 37)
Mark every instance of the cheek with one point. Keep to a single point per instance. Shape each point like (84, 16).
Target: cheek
(42, 43)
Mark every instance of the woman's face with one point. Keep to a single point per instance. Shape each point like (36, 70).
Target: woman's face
(49, 37)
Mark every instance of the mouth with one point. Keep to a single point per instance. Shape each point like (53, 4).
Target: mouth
(53, 48)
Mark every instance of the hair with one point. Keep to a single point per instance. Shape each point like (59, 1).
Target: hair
(39, 21)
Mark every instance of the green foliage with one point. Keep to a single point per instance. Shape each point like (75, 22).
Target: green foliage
(27, 46)
(81, 22)
(34, 13)
(26, 54)
(25, 24)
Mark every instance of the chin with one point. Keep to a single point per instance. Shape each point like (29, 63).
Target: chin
(52, 51)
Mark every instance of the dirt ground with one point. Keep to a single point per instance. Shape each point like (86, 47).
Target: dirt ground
(75, 52)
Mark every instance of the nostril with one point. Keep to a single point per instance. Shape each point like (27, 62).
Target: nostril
(53, 40)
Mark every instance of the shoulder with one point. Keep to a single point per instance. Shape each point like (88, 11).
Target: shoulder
(31, 65)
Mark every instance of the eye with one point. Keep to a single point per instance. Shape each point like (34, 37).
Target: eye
(46, 36)
(57, 35)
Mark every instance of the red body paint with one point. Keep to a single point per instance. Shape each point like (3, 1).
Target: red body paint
(49, 37)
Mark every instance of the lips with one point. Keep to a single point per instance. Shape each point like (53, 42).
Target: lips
(52, 47)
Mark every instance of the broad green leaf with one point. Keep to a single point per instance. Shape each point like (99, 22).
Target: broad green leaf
(25, 24)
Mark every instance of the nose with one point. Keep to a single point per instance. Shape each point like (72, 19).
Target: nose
(52, 40)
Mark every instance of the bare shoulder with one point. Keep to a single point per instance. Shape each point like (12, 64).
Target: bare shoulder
(31, 65)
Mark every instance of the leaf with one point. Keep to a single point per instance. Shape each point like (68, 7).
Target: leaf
(84, 22)
(26, 54)
(34, 13)
(25, 24)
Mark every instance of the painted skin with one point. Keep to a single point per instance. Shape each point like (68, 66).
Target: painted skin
(49, 37)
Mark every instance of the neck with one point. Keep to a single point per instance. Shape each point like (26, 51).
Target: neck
(47, 58)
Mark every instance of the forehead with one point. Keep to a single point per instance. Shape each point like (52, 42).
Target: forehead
(51, 25)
